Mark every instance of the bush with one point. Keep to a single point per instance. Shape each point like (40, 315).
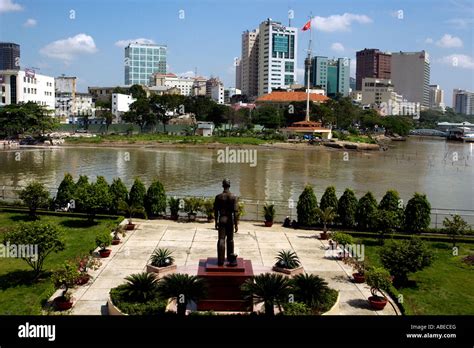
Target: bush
(66, 278)
(174, 206)
(313, 291)
(101, 191)
(103, 240)
(120, 298)
(93, 198)
(455, 227)
(155, 199)
(417, 214)
(46, 236)
(34, 196)
(208, 208)
(402, 257)
(65, 191)
(342, 238)
(379, 280)
(346, 209)
(137, 194)
(296, 308)
(365, 213)
(287, 259)
(306, 207)
(269, 212)
(161, 257)
(391, 202)
(192, 205)
(118, 193)
(329, 199)
(386, 222)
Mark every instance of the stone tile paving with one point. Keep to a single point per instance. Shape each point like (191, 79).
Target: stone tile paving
(193, 241)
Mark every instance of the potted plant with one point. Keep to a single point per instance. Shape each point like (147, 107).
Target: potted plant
(269, 214)
(118, 230)
(326, 216)
(288, 262)
(379, 280)
(359, 268)
(103, 240)
(161, 262)
(65, 278)
(191, 206)
(130, 210)
(341, 239)
(85, 263)
(208, 209)
(174, 207)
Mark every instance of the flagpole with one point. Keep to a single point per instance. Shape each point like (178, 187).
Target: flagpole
(308, 68)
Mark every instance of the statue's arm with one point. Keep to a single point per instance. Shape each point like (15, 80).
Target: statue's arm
(236, 214)
(216, 214)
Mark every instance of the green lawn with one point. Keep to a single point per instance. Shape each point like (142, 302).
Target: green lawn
(444, 288)
(18, 294)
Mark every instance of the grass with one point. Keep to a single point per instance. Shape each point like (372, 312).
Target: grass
(444, 288)
(164, 138)
(360, 139)
(18, 294)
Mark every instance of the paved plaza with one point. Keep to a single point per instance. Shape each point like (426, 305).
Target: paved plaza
(193, 241)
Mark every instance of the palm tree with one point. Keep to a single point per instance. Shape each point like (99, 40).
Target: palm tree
(130, 210)
(309, 289)
(269, 288)
(327, 216)
(141, 287)
(183, 288)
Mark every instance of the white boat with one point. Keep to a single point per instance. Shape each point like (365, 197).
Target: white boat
(469, 137)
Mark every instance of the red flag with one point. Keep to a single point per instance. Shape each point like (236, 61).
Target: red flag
(307, 26)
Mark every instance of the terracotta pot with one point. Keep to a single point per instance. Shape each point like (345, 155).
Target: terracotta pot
(323, 236)
(83, 279)
(377, 303)
(115, 241)
(130, 227)
(105, 252)
(268, 223)
(62, 304)
(358, 278)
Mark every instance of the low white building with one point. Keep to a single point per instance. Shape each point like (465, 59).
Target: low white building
(22, 86)
(70, 107)
(205, 128)
(184, 84)
(121, 104)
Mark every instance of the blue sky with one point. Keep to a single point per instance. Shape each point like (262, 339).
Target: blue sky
(84, 38)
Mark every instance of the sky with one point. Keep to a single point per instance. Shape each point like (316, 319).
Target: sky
(86, 38)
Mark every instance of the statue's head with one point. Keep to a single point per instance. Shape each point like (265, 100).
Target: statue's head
(226, 183)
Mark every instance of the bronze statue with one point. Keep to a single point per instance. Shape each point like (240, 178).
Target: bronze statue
(226, 213)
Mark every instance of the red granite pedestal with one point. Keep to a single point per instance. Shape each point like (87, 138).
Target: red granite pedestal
(224, 283)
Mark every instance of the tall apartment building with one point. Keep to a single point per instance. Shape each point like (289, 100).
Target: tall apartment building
(463, 102)
(238, 74)
(277, 56)
(143, 60)
(215, 90)
(249, 63)
(183, 84)
(436, 98)
(411, 76)
(372, 63)
(22, 86)
(332, 75)
(9, 56)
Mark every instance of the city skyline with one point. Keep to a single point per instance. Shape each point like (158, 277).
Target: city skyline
(71, 38)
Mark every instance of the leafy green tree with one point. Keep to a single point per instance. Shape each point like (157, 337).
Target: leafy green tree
(400, 125)
(93, 198)
(47, 237)
(306, 207)
(391, 202)
(217, 114)
(137, 92)
(417, 214)
(82, 184)
(346, 209)
(268, 116)
(385, 222)
(329, 199)
(141, 114)
(34, 196)
(102, 191)
(365, 213)
(118, 193)
(455, 227)
(155, 199)
(65, 190)
(200, 106)
(402, 257)
(137, 194)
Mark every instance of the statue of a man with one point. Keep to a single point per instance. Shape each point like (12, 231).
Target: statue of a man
(226, 213)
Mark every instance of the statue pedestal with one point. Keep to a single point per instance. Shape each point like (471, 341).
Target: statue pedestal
(224, 283)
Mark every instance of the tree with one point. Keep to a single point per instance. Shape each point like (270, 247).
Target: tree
(385, 222)
(391, 202)
(118, 192)
(306, 207)
(137, 92)
(81, 184)
(217, 114)
(183, 288)
(93, 198)
(329, 199)
(346, 208)
(108, 118)
(365, 213)
(270, 288)
(141, 114)
(137, 194)
(326, 216)
(34, 196)
(155, 199)
(101, 190)
(402, 257)
(455, 227)
(417, 214)
(268, 116)
(45, 236)
(65, 191)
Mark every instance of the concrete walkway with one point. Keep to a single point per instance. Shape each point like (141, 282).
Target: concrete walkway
(193, 241)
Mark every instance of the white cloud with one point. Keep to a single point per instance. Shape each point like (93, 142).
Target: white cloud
(337, 46)
(449, 41)
(124, 43)
(67, 49)
(460, 23)
(30, 22)
(188, 73)
(429, 40)
(9, 6)
(339, 22)
(458, 61)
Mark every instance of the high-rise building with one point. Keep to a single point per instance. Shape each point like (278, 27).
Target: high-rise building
(249, 63)
(332, 75)
(277, 56)
(436, 98)
(238, 74)
(9, 56)
(463, 102)
(372, 63)
(411, 76)
(143, 60)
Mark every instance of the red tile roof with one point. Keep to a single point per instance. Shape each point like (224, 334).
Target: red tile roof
(282, 97)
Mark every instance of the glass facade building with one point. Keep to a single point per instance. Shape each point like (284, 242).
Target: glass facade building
(330, 75)
(143, 60)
